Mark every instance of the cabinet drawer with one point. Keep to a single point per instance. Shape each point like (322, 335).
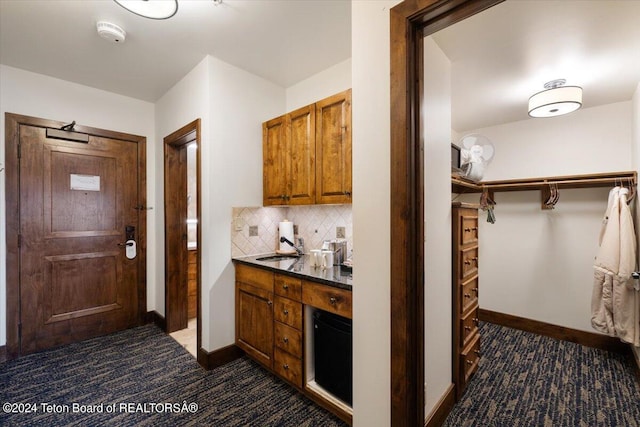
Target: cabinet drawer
(469, 229)
(288, 367)
(257, 277)
(468, 327)
(468, 295)
(289, 287)
(288, 312)
(469, 358)
(328, 298)
(468, 259)
(288, 339)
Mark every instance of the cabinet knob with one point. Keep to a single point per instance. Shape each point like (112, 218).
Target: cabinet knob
(477, 352)
(476, 320)
(475, 258)
(475, 228)
(467, 230)
(285, 340)
(269, 302)
(286, 312)
(475, 290)
(467, 328)
(467, 295)
(469, 362)
(283, 196)
(285, 366)
(285, 286)
(467, 262)
(347, 193)
(333, 300)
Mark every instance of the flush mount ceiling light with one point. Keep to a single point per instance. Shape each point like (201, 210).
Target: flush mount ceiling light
(556, 100)
(153, 9)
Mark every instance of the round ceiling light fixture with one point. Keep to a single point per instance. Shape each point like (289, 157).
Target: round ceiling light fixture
(152, 9)
(555, 100)
(111, 32)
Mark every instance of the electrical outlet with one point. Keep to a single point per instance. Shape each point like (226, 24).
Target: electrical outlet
(253, 230)
(340, 232)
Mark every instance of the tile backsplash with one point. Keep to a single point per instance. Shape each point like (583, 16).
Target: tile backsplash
(314, 223)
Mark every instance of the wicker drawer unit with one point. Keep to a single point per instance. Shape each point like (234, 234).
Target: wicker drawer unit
(465, 291)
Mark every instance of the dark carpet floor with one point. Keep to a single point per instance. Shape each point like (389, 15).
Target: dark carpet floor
(529, 380)
(143, 377)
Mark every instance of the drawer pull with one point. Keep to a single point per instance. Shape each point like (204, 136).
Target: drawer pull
(285, 286)
(467, 328)
(285, 367)
(477, 352)
(467, 230)
(475, 258)
(285, 340)
(467, 295)
(469, 362)
(475, 290)
(476, 320)
(333, 300)
(467, 262)
(286, 312)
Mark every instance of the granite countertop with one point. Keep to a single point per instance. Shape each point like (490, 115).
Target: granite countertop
(300, 267)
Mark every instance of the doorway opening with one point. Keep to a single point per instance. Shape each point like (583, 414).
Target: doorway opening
(182, 236)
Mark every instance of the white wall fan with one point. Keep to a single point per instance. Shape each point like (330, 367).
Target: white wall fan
(476, 153)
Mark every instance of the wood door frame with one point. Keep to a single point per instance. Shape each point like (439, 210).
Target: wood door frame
(12, 200)
(173, 143)
(411, 21)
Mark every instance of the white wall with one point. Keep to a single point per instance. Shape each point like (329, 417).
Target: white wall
(31, 94)
(319, 86)
(370, 49)
(232, 176)
(590, 140)
(636, 167)
(437, 218)
(535, 263)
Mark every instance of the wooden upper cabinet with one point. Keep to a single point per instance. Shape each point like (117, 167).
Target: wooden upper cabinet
(307, 154)
(333, 149)
(301, 126)
(276, 166)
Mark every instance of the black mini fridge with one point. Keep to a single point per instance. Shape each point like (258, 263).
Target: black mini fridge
(332, 352)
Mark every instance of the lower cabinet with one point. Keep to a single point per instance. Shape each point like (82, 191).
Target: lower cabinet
(270, 323)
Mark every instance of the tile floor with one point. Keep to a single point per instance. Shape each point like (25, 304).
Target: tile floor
(188, 337)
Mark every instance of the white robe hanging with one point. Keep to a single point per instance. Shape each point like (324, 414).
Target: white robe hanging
(613, 302)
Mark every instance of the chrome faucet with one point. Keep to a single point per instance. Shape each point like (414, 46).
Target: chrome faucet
(299, 249)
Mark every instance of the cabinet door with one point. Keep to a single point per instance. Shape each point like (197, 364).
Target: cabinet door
(254, 322)
(301, 127)
(276, 167)
(333, 149)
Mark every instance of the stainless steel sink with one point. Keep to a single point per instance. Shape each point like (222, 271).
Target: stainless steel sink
(278, 257)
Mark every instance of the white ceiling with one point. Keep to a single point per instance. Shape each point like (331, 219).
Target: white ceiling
(499, 57)
(284, 41)
(504, 55)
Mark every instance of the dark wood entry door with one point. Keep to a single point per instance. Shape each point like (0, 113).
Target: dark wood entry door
(75, 201)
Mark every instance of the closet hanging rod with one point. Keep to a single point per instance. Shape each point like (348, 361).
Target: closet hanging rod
(563, 182)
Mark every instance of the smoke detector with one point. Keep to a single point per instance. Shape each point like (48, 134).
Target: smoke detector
(111, 32)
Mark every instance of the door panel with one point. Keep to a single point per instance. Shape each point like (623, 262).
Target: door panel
(75, 201)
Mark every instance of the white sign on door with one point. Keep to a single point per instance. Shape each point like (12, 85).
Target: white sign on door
(85, 182)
